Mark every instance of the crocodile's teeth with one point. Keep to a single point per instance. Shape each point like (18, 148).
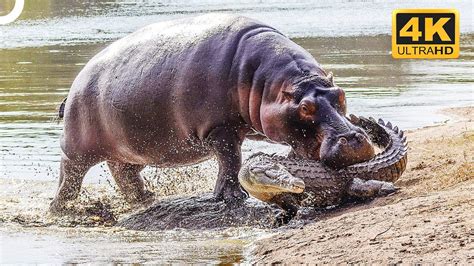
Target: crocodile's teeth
(395, 129)
(353, 118)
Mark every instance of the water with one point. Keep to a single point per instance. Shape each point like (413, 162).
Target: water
(71, 22)
(34, 80)
(81, 246)
(41, 53)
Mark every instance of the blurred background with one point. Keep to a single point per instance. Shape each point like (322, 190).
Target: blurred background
(42, 52)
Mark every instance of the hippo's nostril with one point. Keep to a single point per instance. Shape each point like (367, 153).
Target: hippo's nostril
(343, 140)
(360, 137)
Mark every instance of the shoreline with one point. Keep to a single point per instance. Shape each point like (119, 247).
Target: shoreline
(98, 175)
(429, 220)
(419, 211)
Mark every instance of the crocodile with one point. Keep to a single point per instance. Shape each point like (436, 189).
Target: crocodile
(291, 183)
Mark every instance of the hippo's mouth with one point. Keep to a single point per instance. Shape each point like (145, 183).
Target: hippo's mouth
(341, 149)
(336, 145)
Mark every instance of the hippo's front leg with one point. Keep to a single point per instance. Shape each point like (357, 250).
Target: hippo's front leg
(226, 145)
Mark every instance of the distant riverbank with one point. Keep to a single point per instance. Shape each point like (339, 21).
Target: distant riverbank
(57, 22)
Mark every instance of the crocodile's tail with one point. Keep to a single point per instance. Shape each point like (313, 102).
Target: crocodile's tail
(387, 165)
(61, 109)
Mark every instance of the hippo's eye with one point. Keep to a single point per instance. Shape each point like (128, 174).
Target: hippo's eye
(307, 110)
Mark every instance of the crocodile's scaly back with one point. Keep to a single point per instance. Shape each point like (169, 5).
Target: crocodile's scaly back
(388, 165)
(325, 186)
(385, 166)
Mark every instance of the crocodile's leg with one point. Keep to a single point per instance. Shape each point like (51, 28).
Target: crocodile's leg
(370, 188)
(289, 204)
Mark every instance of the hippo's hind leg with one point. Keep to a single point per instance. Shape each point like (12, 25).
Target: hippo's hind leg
(127, 176)
(226, 145)
(72, 173)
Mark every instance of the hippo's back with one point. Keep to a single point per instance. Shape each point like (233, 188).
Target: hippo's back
(174, 74)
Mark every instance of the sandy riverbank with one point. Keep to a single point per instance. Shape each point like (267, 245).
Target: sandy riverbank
(430, 220)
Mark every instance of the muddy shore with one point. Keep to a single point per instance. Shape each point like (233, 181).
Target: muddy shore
(430, 220)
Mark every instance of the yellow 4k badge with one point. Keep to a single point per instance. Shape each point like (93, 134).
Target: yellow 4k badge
(425, 33)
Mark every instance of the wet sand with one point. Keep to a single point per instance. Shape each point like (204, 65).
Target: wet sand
(431, 220)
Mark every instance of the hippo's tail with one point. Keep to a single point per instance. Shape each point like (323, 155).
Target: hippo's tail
(61, 109)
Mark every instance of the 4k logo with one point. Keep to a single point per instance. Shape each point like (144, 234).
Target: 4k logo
(425, 33)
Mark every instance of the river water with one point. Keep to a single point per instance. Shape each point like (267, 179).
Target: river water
(42, 52)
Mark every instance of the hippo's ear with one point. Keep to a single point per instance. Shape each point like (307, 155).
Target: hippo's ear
(330, 77)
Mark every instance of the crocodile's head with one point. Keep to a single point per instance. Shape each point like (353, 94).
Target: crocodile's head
(264, 179)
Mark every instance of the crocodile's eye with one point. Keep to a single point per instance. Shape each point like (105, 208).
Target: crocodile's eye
(272, 173)
(275, 167)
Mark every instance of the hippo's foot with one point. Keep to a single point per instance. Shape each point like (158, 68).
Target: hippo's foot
(57, 207)
(148, 198)
(232, 196)
(145, 199)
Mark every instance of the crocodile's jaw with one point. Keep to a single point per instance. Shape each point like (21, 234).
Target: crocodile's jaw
(265, 185)
(289, 184)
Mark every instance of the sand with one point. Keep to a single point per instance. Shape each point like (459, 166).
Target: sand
(430, 220)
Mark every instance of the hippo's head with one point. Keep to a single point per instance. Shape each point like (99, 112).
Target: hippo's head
(310, 116)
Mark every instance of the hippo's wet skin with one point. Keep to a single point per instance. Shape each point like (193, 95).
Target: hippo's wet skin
(176, 93)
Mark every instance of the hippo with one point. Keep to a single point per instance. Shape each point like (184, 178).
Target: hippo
(179, 92)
